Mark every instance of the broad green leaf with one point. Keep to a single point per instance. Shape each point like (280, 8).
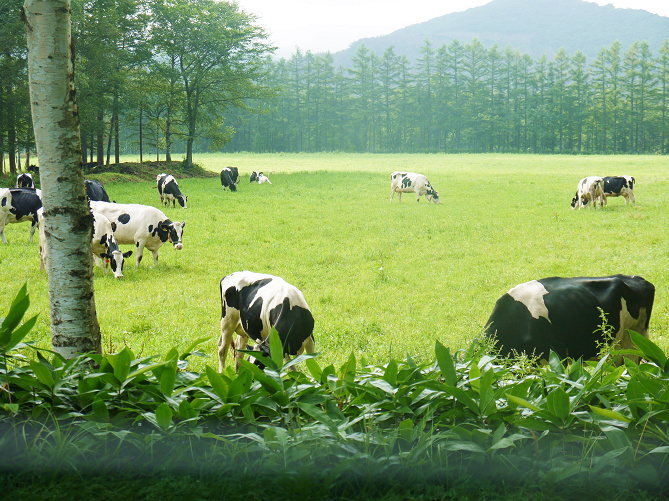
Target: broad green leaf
(319, 416)
(609, 414)
(168, 377)
(20, 333)
(217, 384)
(558, 403)
(100, 410)
(122, 364)
(164, 416)
(649, 349)
(314, 369)
(17, 309)
(275, 348)
(188, 351)
(43, 374)
(406, 430)
(522, 402)
(446, 364)
(347, 371)
(474, 376)
(390, 374)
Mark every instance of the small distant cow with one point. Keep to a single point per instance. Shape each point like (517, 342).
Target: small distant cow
(168, 188)
(407, 182)
(565, 315)
(95, 191)
(619, 186)
(259, 177)
(19, 205)
(230, 178)
(590, 189)
(25, 180)
(253, 303)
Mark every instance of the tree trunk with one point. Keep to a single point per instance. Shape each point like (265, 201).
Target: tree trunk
(68, 222)
(100, 139)
(141, 146)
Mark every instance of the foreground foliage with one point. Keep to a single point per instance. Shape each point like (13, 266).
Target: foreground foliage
(467, 414)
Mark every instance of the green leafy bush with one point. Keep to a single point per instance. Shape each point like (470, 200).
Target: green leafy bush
(467, 413)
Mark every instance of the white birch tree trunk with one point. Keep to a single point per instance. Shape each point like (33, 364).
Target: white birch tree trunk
(68, 221)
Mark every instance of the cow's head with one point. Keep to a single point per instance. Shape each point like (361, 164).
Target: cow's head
(182, 200)
(116, 260)
(254, 176)
(574, 201)
(172, 232)
(433, 196)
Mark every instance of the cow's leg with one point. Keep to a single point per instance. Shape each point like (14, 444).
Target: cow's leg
(225, 341)
(32, 228)
(155, 256)
(2, 228)
(139, 246)
(392, 194)
(242, 342)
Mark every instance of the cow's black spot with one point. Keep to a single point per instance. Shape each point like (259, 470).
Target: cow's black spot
(136, 244)
(103, 240)
(250, 317)
(4, 202)
(232, 297)
(406, 182)
(151, 229)
(124, 218)
(294, 325)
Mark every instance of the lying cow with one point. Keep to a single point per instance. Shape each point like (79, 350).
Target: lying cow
(19, 205)
(590, 189)
(406, 182)
(563, 315)
(142, 225)
(253, 303)
(258, 177)
(103, 244)
(230, 178)
(619, 186)
(95, 191)
(168, 189)
(25, 180)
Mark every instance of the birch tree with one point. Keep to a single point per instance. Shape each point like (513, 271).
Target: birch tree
(68, 221)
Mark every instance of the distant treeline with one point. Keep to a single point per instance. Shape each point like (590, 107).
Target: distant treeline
(466, 98)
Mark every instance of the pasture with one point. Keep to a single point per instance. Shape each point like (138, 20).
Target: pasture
(382, 279)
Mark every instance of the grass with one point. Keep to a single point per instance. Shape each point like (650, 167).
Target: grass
(382, 279)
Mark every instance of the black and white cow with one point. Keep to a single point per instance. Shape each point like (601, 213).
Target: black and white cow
(142, 225)
(20, 204)
(230, 178)
(95, 191)
(590, 189)
(619, 186)
(406, 182)
(563, 315)
(25, 180)
(253, 303)
(103, 244)
(259, 177)
(169, 191)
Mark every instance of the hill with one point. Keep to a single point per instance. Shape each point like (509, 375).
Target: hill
(535, 27)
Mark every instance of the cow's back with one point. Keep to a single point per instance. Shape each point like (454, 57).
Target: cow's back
(131, 219)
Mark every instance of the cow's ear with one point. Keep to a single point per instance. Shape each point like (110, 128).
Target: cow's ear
(183, 224)
(127, 254)
(105, 255)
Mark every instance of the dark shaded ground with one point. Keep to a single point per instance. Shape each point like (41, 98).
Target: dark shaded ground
(127, 172)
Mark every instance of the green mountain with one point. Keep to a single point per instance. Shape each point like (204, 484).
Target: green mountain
(535, 27)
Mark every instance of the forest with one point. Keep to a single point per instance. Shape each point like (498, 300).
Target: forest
(156, 77)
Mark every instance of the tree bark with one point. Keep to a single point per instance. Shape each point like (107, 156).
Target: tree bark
(68, 222)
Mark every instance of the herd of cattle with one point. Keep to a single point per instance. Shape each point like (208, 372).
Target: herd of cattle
(559, 314)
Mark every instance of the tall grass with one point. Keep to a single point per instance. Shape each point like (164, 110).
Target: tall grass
(382, 279)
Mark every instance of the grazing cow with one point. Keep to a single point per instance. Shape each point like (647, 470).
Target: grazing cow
(25, 180)
(23, 204)
(406, 182)
(230, 178)
(103, 244)
(589, 189)
(563, 315)
(259, 177)
(253, 303)
(95, 191)
(143, 225)
(619, 186)
(169, 191)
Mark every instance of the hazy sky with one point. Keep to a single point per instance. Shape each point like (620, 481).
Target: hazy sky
(322, 25)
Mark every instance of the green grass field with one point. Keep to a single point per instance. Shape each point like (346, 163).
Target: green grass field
(382, 279)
